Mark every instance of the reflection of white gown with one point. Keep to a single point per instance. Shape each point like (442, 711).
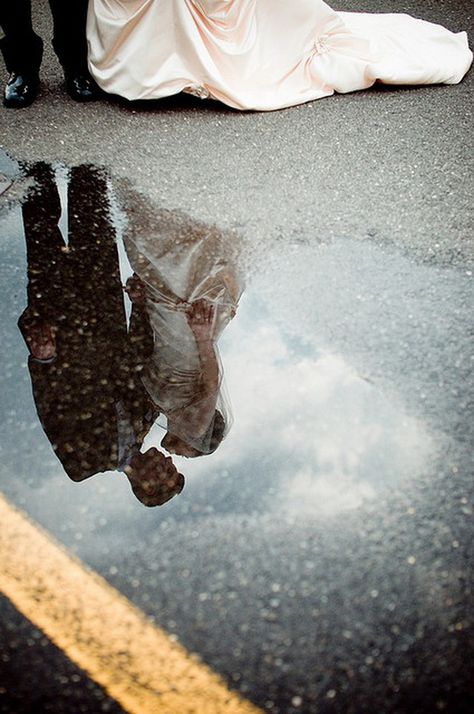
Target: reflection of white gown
(262, 54)
(182, 261)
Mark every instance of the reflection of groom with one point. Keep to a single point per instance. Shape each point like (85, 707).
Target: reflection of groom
(84, 364)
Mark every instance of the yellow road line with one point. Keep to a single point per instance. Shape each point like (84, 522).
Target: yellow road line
(101, 631)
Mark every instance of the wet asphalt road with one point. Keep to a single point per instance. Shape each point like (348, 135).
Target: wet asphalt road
(321, 559)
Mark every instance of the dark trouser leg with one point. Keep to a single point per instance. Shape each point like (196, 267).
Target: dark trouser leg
(92, 240)
(99, 301)
(44, 242)
(22, 49)
(69, 38)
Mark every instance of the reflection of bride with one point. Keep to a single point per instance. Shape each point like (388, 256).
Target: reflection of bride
(262, 54)
(185, 279)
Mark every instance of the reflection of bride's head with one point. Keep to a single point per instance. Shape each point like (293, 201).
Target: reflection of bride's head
(210, 440)
(174, 445)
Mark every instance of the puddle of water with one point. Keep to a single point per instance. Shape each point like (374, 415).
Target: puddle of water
(329, 438)
(310, 433)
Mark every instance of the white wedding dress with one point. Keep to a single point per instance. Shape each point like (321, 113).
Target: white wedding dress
(262, 54)
(181, 261)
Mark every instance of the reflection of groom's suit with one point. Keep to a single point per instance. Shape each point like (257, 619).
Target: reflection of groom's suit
(89, 398)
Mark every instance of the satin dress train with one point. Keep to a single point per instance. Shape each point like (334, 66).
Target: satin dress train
(263, 54)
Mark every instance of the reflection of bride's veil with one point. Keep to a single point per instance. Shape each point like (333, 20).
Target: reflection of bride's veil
(182, 263)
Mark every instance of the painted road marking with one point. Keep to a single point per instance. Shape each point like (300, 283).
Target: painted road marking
(101, 631)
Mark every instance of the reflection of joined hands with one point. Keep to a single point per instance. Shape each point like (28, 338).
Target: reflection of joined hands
(39, 334)
(200, 316)
(136, 290)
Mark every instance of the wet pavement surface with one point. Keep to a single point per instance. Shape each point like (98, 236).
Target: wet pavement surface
(335, 515)
(320, 559)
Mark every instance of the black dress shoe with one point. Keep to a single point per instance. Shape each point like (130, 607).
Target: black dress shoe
(81, 87)
(21, 90)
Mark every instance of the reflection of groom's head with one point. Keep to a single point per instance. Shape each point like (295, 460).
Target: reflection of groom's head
(153, 477)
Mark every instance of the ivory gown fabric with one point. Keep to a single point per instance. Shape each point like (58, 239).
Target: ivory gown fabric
(181, 261)
(262, 54)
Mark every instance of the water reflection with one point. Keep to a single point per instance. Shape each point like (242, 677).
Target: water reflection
(109, 373)
(85, 361)
(328, 439)
(186, 286)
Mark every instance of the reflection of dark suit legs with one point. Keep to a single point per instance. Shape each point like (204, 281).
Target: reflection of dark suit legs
(22, 48)
(83, 277)
(97, 285)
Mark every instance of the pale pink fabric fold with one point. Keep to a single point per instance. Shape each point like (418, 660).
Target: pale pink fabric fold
(262, 54)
